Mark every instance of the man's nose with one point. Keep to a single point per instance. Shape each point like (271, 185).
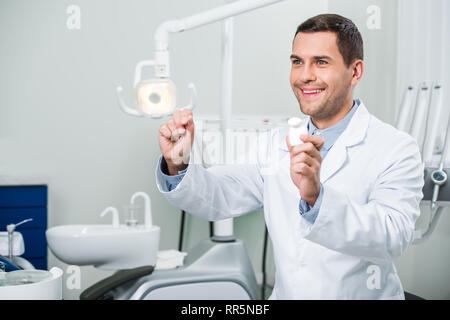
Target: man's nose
(307, 74)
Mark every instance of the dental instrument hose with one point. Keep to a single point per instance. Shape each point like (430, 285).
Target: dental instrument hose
(180, 241)
(8, 265)
(263, 285)
(211, 229)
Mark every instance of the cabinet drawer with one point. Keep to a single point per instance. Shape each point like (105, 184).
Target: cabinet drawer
(23, 196)
(15, 215)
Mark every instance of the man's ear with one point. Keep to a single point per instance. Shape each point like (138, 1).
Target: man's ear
(357, 68)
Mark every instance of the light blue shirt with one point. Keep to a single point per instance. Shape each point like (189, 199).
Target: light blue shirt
(171, 181)
(330, 135)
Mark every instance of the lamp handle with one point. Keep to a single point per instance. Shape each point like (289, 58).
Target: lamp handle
(193, 93)
(138, 70)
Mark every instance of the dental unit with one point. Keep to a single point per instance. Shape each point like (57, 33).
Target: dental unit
(421, 117)
(439, 178)
(156, 98)
(18, 277)
(218, 267)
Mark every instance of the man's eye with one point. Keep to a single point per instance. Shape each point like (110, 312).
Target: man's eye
(296, 61)
(321, 62)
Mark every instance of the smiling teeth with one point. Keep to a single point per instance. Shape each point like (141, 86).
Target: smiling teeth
(312, 91)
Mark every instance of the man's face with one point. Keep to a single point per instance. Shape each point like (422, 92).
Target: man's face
(319, 77)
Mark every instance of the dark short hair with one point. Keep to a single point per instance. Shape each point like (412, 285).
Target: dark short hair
(349, 40)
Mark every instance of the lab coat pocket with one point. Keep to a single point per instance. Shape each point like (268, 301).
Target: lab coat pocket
(304, 247)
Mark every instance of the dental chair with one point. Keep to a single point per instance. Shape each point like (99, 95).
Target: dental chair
(213, 270)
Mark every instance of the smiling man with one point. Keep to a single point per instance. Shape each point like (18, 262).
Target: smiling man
(341, 206)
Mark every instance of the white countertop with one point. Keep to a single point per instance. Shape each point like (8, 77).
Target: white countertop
(6, 180)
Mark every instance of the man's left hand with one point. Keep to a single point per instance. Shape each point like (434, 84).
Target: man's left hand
(305, 166)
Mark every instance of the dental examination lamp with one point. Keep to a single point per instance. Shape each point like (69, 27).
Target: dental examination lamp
(156, 98)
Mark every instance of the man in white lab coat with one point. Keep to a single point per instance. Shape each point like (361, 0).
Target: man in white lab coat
(341, 206)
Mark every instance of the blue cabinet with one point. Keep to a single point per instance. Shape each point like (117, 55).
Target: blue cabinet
(18, 203)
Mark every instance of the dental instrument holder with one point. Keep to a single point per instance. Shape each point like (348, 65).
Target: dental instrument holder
(443, 198)
(437, 199)
(156, 86)
(420, 117)
(11, 228)
(438, 177)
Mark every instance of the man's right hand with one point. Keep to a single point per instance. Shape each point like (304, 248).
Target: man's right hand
(176, 137)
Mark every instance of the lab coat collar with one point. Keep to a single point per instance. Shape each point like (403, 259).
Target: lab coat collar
(332, 133)
(352, 135)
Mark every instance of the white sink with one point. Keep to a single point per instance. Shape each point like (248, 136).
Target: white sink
(105, 246)
(109, 247)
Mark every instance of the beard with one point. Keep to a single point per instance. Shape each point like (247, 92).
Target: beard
(327, 109)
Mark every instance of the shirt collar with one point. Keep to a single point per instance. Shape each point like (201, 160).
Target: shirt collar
(331, 134)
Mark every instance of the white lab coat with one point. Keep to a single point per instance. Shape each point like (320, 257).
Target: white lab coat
(372, 181)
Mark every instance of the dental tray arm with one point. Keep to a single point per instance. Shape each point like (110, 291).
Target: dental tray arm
(197, 20)
(99, 291)
(161, 35)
